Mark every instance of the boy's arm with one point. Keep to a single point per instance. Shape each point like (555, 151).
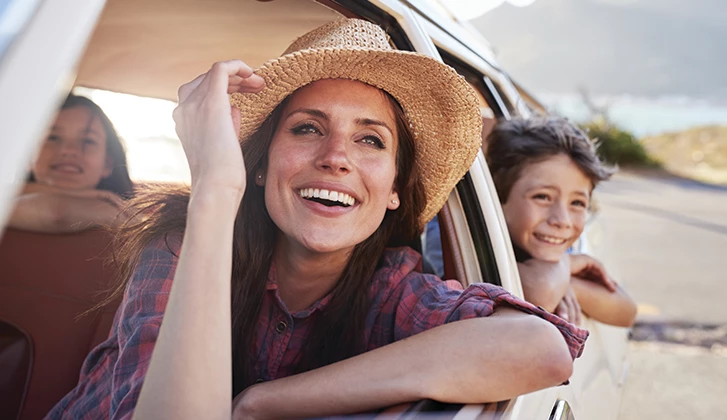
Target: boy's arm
(544, 283)
(614, 308)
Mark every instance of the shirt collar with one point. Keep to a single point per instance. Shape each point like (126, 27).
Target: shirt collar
(272, 286)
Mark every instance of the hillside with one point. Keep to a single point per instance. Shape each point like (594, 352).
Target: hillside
(699, 153)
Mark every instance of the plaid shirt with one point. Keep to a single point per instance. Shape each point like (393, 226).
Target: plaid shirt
(404, 302)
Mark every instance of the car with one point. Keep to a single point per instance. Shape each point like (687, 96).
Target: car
(148, 48)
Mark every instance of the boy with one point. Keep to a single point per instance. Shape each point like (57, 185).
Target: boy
(545, 169)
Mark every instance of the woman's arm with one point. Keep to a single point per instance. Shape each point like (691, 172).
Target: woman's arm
(470, 361)
(614, 308)
(190, 373)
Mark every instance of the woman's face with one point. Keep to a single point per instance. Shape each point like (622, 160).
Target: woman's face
(332, 165)
(74, 153)
(547, 207)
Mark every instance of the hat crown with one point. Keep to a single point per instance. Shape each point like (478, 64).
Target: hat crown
(350, 34)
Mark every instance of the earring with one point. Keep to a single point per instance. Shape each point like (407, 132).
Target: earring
(259, 177)
(395, 202)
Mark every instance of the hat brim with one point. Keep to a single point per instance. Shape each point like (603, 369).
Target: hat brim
(440, 106)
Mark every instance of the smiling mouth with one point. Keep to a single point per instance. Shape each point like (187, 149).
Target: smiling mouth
(67, 168)
(327, 197)
(550, 239)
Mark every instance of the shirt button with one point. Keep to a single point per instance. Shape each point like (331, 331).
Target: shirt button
(281, 327)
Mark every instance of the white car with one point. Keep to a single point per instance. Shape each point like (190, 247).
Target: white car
(149, 47)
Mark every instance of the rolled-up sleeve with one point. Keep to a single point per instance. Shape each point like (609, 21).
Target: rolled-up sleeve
(113, 373)
(413, 302)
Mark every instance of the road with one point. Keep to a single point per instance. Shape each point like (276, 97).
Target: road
(667, 242)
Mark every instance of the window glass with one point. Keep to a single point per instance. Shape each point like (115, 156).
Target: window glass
(145, 125)
(14, 15)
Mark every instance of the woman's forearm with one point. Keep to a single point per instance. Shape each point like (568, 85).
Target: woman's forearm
(190, 371)
(614, 308)
(471, 361)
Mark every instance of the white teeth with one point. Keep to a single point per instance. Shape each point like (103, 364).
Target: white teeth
(327, 195)
(550, 239)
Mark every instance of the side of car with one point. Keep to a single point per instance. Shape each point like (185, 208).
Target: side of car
(47, 58)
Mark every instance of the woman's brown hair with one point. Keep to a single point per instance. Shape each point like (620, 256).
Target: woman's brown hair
(514, 144)
(338, 331)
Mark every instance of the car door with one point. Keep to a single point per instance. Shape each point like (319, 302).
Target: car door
(595, 387)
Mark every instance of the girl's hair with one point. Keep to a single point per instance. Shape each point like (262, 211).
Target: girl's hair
(338, 330)
(514, 144)
(118, 181)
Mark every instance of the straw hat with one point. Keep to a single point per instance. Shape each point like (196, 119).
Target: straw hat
(441, 107)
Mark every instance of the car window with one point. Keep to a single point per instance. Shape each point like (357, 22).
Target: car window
(14, 14)
(437, 251)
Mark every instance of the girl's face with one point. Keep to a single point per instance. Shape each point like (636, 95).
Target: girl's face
(332, 165)
(74, 154)
(547, 207)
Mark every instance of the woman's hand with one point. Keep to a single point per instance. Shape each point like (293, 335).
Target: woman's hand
(588, 268)
(208, 126)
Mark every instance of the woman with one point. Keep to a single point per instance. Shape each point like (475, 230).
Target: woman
(79, 179)
(346, 148)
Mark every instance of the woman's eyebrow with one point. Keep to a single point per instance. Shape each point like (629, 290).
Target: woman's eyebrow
(310, 111)
(371, 121)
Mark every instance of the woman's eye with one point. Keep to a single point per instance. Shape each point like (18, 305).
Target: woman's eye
(89, 141)
(541, 196)
(580, 203)
(53, 138)
(374, 141)
(305, 129)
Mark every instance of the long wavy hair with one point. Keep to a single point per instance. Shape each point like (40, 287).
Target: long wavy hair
(338, 330)
(118, 181)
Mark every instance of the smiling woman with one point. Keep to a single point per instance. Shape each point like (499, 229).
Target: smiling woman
(282, 276)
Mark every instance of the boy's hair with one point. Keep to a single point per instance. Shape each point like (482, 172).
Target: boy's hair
(514, 144)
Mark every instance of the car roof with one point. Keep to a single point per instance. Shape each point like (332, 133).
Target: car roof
(150, 47)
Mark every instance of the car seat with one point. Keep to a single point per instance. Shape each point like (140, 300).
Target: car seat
(46, 282)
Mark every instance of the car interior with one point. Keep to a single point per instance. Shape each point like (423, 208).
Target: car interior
(143, 48)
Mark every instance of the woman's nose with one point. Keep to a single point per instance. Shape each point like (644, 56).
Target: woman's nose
(334, 155)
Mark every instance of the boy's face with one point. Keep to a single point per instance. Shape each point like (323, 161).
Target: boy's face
(547, 207)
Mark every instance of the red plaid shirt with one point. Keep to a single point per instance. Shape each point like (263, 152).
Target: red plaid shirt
(404, 302)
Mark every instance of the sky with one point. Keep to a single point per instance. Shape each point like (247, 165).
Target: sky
(647, 48)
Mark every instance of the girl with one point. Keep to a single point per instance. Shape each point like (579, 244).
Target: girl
(79, 179)
(272, 275)
(545, 170)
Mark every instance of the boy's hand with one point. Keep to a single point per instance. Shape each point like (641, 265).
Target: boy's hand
(569, 308)
(588, 268)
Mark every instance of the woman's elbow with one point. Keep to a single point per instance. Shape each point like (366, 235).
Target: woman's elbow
(555, 361)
